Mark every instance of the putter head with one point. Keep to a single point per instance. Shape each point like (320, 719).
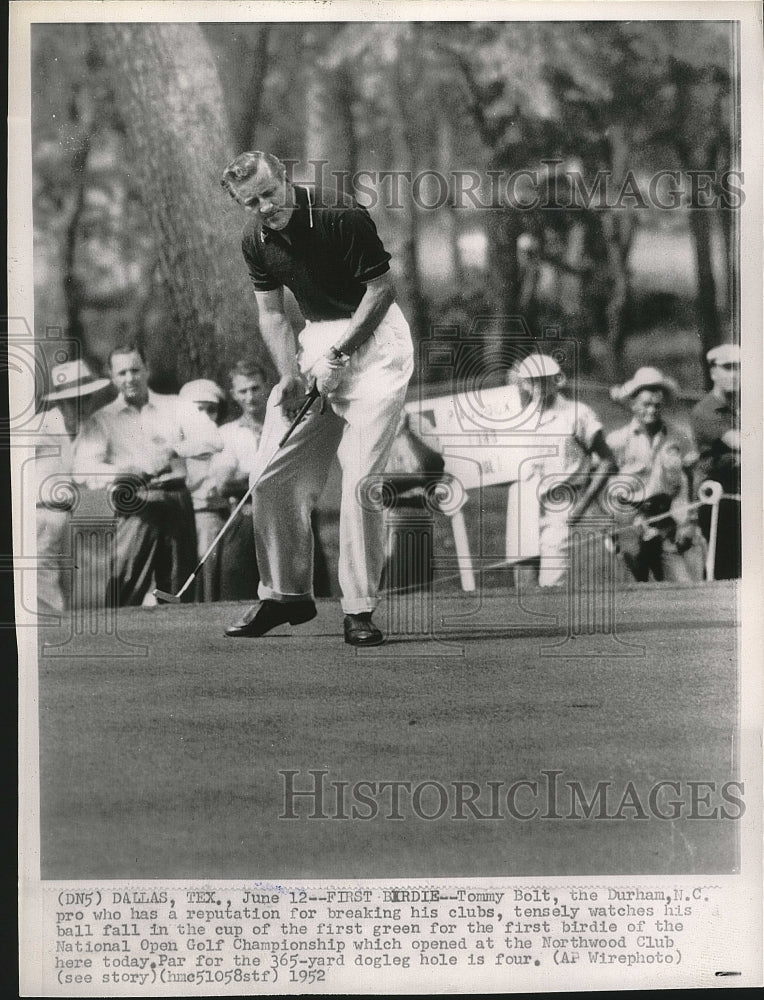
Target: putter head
(164, 598)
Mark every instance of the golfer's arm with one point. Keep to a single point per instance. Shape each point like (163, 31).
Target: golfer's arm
(277, 332)
(377, 299)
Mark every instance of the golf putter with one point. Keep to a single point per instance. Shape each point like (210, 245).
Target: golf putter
(161, 595)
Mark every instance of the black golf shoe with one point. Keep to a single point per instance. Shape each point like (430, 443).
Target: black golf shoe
(263, 617)
(360, 630)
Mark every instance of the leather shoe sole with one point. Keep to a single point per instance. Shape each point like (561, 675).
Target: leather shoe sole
(269, 615)
(361, 632)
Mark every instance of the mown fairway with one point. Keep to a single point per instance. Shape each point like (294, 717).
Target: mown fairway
(167, 764)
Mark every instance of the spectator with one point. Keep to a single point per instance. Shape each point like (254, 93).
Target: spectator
(239, 577)
(210, 505)
(661, 457)
(578, 468)
(716, 422)
(137, 446)
(232, 468)
(73, 387)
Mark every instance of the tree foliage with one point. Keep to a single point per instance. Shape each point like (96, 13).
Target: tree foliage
(150, 242)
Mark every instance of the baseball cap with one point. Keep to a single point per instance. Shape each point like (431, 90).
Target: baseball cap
(535, 366)
(202, 390)
(724, 354)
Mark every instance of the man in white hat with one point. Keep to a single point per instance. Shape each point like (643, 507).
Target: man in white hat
(142, 441)
(71, 396)
(579, 468)
(716, 423)
(660, 456)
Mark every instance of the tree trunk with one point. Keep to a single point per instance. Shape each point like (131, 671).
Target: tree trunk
(241, 56)
(617, 298)
(413, 286)
(618, 232)
(705, 298)
(170, 96)
(504, 228)
(451, 220)
(247, 116)
(697, 140)
(330, 136)
(72, 286)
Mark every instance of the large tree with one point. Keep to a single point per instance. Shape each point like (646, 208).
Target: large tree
(169, 95)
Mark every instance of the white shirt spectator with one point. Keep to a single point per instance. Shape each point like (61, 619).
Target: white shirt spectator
(236, 461)
(660, 461)
(153, 441)
(570, 426)
(54, 457)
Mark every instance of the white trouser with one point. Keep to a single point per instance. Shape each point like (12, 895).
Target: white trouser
(358, 426)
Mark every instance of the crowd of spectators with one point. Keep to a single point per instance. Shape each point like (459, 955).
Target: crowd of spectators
(174, 468)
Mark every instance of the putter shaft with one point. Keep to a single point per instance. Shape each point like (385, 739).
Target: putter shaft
(310, 397)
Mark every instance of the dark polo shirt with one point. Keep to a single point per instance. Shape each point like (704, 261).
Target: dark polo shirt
(326, 267)
(710, 419)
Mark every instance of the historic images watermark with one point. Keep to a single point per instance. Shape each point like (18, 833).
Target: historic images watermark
(554, 186)
(314, 794)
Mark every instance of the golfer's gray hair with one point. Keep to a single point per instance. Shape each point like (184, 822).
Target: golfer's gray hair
(246, 165)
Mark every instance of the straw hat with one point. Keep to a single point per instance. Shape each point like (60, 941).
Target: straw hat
(644, 378)
(72, 379)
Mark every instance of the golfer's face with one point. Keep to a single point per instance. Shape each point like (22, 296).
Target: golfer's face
(267, 195)
(129, 375)
(250, 392)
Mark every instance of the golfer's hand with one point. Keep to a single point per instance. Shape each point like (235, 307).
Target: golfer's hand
(327, 372)
(290, 395)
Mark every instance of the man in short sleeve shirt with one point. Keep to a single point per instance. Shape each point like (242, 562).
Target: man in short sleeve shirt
(357, 346)
(716, 423)
(659, 456)
(570, 478)
(143, 440)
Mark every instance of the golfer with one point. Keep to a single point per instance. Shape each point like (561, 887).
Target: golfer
(356, 344)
